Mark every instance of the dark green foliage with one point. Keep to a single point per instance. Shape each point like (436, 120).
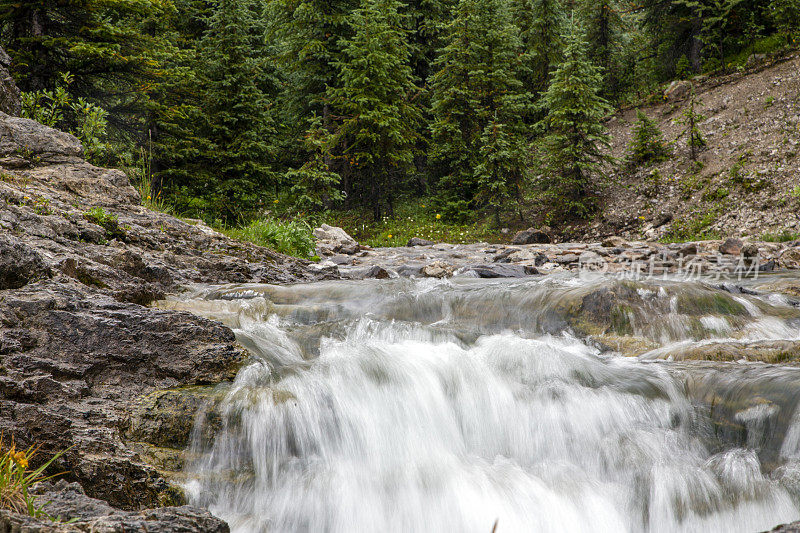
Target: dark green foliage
(478, 136)
(230, 108)
(572, 150)
(375, 100)
(227, 163)
(647, 145)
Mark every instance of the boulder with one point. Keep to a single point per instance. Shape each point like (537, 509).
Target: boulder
(790, 258)
(533, 236)
(688, 249)
(615, 242)
(677, 90)
(755, 60)
(9, 93)
(21, 137)
(416, 241)
(437, 269)
(731, 246)
(332, 240)
(499, 270)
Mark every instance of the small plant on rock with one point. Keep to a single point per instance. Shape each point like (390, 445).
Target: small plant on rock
(647, 145)
(107, 221)
(17, 477)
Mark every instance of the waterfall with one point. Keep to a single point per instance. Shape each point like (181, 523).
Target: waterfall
(458, 405)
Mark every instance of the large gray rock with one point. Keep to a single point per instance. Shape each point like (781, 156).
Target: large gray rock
(9, 93)
(532, 236)
(677, 90)
(27, 139)
(332, 240)
(68, 502)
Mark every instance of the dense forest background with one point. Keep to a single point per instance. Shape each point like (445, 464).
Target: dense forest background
(233, 110)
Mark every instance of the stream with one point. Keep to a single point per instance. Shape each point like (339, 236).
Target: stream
(560, 403)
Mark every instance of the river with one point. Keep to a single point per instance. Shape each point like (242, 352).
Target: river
(548, 404)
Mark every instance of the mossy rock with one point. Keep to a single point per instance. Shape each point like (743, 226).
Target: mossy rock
(165, 418)
(709, 303)
(773, 352)
(627, 345)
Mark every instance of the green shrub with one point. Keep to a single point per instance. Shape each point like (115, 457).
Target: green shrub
(58, 109)
(292, 238)
(694, 227)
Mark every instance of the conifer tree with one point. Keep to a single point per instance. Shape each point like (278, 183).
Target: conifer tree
(647, 144)
(227, 164)
(376, 101)
(691, 118)
(573, 148)
(478, 105)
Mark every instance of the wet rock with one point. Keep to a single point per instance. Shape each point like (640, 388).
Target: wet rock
(69, 503)
(367, 272)
(416, 241)
(731, 246)
(532, 236)
(501, 270)
(502, 257)
(689, 249)
(9, 93)
(19, 263)
(437, 269)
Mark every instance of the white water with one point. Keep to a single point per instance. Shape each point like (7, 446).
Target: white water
(436, 406)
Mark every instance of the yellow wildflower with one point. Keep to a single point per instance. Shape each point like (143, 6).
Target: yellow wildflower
(438, 216)
(276, 201)
(389, 236)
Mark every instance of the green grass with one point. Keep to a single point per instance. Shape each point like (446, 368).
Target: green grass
(765, 45)
(287, 237)
(784, 236)
(413, 218)
(694, 227)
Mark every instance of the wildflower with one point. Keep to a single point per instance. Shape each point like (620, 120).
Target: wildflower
(20, 459)
(438, 216)
(149, 197)
(276, 201)
(389, 236)
(423, 205)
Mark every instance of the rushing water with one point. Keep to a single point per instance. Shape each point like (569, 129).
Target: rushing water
(457, 405)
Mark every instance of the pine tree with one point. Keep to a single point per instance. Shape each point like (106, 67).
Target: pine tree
(575, 133)
(603, 32)
(647, 144)
(540, 23)
(227, 163)
(478, 105)
(376, 101)
(691, 118)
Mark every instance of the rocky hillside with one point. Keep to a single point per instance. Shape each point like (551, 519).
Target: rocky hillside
(746, 179)
(80, 351)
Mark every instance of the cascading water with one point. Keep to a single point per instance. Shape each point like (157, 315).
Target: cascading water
(455, 406)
